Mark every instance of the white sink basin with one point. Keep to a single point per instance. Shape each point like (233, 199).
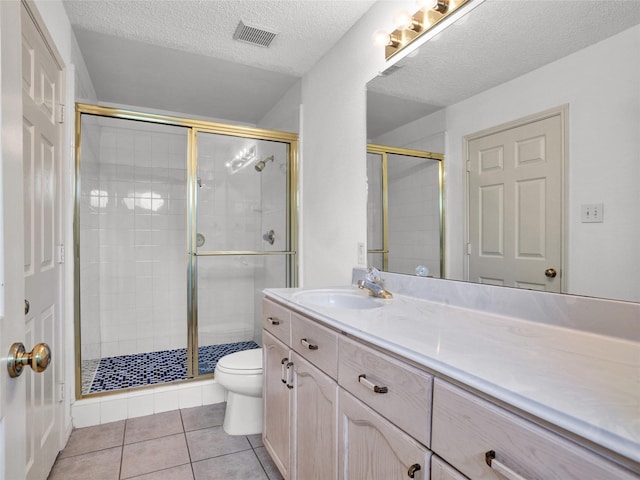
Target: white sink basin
(354, 300)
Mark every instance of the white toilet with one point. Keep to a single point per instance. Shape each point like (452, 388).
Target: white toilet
(240, 374)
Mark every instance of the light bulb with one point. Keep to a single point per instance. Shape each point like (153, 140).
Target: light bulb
(440, 6)
(402, 20)
(381, 38)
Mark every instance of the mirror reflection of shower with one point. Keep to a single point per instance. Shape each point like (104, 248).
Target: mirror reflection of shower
(269, 237)
(263, 163)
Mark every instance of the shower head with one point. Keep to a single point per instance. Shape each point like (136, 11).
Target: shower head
(263, 163)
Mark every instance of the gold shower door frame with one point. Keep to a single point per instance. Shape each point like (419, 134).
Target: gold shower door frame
(193, 128)
(384, 151)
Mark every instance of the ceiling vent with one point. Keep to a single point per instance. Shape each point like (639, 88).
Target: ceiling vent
(253, 35)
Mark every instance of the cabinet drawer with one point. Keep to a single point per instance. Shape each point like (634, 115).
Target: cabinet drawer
(441, 470)
(277, 320)
(466, 427)
(316, 343)
(403, 395)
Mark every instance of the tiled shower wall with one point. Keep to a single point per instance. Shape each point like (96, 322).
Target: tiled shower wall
(414, 215)
(133, 238)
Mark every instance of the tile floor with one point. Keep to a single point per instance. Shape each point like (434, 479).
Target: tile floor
(187, 444)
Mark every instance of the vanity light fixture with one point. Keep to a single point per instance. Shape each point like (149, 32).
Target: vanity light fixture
(242, 159)
(411, 27)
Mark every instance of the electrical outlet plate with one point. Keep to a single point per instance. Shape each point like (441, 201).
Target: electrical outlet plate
(592, 213)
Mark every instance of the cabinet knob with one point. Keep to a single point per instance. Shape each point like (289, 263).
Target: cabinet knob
(413, 469)
(273, 321)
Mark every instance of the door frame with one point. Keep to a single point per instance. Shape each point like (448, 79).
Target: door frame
(563, 112)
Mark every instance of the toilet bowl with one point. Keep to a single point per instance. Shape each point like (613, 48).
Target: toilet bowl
(240, 374)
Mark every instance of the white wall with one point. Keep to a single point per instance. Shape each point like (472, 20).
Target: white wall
(334, 137)
(600, 85)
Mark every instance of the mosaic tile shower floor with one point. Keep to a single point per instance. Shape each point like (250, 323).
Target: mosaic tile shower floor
(116, 373)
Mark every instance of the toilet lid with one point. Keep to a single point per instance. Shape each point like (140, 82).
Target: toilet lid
(246, 361)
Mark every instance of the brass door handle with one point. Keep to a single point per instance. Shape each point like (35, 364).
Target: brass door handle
(550, 272)
(27, 306)
(38, 359)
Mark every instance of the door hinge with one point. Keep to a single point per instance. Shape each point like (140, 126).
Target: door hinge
(60, 253)
(60, 113)
(468, 166)
(468, 249)
(61, 392)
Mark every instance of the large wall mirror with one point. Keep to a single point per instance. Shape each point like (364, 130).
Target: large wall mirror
(509, 63)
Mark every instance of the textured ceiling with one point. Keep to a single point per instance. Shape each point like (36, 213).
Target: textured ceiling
(498, 41)
(306, 29)
(180, 55)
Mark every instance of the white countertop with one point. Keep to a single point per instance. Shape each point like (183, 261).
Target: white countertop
(585, 383)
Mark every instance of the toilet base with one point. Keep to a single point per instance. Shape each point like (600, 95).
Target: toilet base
(243, 415)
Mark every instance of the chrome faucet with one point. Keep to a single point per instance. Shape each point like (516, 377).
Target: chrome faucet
(375, 289)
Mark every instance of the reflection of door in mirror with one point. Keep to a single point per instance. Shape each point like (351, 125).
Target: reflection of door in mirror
(515, 203)
(404, 208)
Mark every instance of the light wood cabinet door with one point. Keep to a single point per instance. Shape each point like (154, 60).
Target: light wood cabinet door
(441, 470)
(315, 413)
(276, 397)
(374, 449)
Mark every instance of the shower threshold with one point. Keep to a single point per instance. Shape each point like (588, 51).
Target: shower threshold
(143, 369)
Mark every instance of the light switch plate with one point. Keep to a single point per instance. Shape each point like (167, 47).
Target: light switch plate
(592, 213)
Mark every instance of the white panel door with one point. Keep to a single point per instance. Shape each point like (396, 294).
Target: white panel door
(41, 94)
(515, 206)
(12, 390)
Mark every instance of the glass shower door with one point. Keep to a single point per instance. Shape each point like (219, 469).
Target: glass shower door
(242, 237)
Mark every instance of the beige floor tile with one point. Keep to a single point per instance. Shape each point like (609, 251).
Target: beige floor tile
(104, 464)
(267, 463)
(183, 472)
(203, 417)
(213, 442)
(235, 466)
(92, 439)
(154, 455)
(152, 426)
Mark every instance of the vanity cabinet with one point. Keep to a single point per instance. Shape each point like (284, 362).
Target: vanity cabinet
(486, 441)
(300, 395)
(337, 408)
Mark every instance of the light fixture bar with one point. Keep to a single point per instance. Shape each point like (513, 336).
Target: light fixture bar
(427, 18)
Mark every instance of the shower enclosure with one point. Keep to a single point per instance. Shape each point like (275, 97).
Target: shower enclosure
(179, 225)
(405, 224)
